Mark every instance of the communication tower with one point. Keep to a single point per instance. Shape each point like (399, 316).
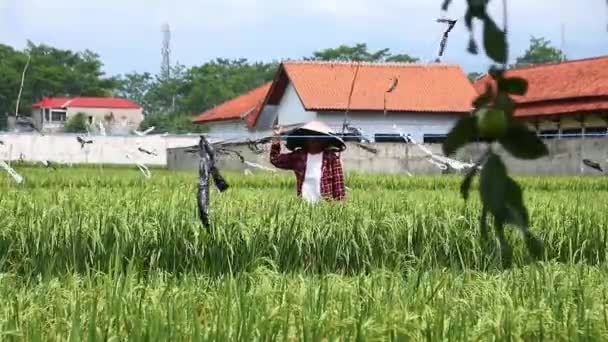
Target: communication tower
(165, 68)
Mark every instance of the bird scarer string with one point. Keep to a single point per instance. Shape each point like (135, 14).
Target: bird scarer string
(443, 163)
(16, 176)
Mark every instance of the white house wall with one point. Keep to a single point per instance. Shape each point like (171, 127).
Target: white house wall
(371, 123)
(228, 129)
(290, 109)
(130, 118)
(267, 118)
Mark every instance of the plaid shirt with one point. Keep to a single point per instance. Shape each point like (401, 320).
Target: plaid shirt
(332, 176)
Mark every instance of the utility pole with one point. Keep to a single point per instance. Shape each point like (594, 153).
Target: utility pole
(444, 40)
(27, 64)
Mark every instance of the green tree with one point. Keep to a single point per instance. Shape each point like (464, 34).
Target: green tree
(359, 53)
(540, 51)
(178, 123)
(199, 88)
(136, 87)
(76, 124)
(3, 121)
(170, 104)
(12, 63)
(167, 96)
(52, 72)
(154, 93)
(472, 76)
(222, 79)
(402, 58)
(55, 72)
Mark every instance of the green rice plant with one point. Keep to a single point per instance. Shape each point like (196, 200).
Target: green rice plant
(104, 254)
(77, 221)
(551, 302)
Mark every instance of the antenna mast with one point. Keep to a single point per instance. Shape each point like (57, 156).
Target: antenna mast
(451, 23)
(165, 67)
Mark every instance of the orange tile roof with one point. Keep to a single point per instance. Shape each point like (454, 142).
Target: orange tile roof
(562, 107)
(245, 106)
(420, 88)
(560, 88)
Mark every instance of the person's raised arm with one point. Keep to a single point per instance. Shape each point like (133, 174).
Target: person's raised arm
(278, 159)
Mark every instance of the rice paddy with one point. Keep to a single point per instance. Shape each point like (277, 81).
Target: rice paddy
(100, 254)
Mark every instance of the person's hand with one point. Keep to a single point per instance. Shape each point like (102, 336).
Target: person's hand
(277, 130)
(276, 133)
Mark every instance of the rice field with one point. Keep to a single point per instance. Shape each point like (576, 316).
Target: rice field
(99, 254)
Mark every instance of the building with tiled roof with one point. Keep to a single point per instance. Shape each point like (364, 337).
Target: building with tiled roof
(237, 115)
(567, 98)
(51, 113)
(423, 100)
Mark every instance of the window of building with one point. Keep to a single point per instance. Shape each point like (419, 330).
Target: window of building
(47, 114)
(596, 132)
(58, 116)
(549, 134)
(90, 120)
(572, 133)
(388, 138)
(434, 138)
(349, 137)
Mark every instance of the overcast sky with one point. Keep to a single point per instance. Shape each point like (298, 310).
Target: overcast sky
(126, 33)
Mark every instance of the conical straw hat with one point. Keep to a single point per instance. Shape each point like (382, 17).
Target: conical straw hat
(297, 137)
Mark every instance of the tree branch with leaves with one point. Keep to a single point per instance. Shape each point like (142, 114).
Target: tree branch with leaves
(492, 123)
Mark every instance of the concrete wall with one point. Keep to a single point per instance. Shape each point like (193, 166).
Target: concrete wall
(393, 158)
(65, 148)
(565, 157)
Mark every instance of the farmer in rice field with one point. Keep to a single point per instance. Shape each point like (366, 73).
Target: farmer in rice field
(314, 161)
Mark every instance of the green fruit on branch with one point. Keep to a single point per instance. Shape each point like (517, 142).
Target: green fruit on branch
(492, 123)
